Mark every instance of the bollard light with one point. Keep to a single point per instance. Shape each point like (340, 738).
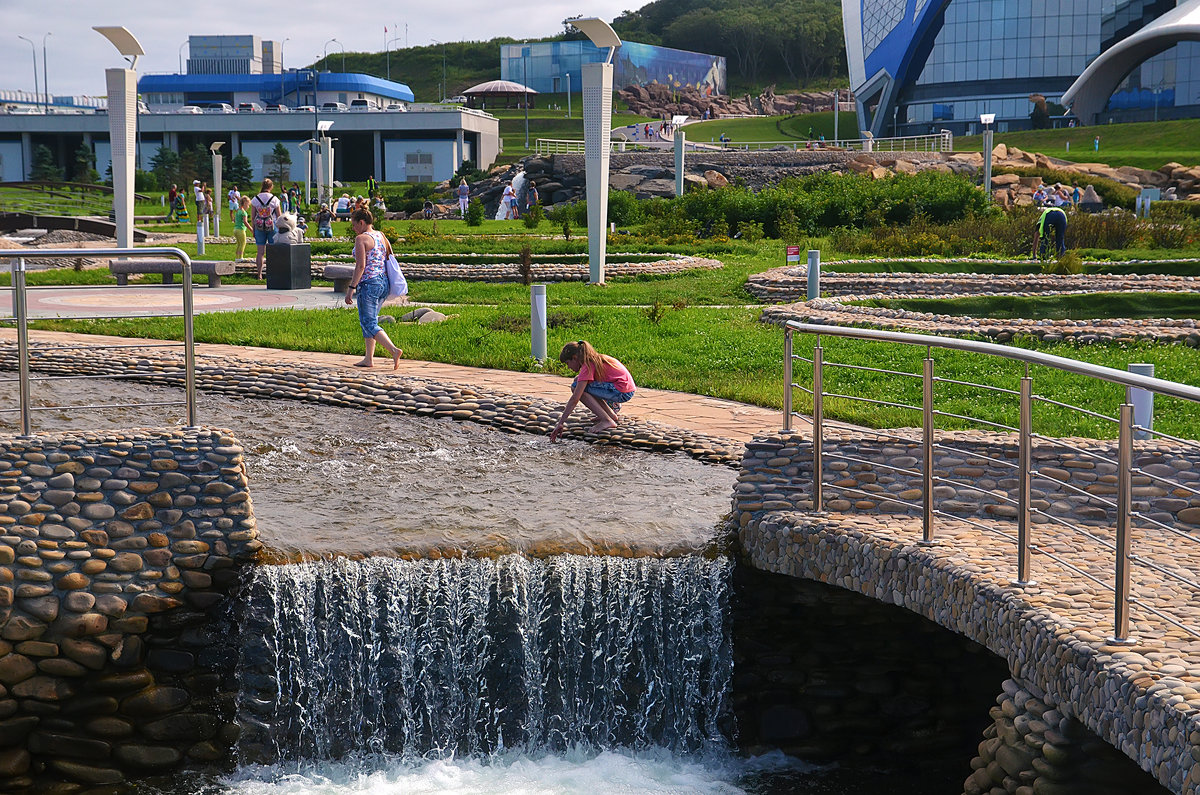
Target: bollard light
(814, 274)
(537, 321)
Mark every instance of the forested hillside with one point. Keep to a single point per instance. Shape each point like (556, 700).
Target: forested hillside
(790, 43)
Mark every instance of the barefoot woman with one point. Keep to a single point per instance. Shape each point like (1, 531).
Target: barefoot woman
(370, 285)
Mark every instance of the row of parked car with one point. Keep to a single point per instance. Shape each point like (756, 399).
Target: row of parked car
(257, 107)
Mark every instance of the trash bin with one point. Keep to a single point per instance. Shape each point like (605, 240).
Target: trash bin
(289, 267)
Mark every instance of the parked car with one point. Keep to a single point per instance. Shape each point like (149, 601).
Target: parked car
(191, 109)
(306, 109)
(334, 106)
(460, 99)
(363, 104)
(249, 107)
(277, 108)
(219, 107)
(397, 106)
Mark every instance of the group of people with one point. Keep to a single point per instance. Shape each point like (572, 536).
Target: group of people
(509, 201)
(1056, 195)
(264, 217)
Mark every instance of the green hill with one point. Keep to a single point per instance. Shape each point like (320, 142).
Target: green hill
(1141, 144)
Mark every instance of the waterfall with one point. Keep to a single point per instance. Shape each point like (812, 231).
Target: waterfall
(452, 657)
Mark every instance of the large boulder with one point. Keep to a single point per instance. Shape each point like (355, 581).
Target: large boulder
(715, 179)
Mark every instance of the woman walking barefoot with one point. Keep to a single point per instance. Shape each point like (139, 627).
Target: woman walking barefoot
(370, 284)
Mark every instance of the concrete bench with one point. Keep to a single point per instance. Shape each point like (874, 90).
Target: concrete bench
(168, 268)
(340, 276)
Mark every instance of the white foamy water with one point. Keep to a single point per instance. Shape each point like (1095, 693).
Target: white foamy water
(652, 772)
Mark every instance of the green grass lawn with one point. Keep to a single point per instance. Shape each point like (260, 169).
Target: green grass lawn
(1142, 144)
(1093, 306)
(773, 128)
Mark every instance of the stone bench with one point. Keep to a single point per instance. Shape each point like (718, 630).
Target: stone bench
(340, 276)
(168, 268)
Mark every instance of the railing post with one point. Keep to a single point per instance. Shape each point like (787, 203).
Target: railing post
(818, 423)
(1124, 522)
(21, 311)
(787, 379)
(1024, 463)
(189, 343)
(927, 446)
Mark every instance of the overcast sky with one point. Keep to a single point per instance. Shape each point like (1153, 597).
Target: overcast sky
(76, 56)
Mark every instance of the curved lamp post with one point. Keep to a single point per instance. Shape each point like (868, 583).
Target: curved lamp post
(122, 124)
(597, 129)
(37, 93)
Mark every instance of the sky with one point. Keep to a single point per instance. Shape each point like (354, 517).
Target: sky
(76, 56)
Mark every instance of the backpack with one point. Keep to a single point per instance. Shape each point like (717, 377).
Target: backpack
(264, 219)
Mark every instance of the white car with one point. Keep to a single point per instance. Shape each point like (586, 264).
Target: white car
(191, 109)
(460, 99)
(306, 109)
(278, 109)
(334, 106)
(397, 106)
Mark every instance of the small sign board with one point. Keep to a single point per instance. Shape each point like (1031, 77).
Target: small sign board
(793, 253)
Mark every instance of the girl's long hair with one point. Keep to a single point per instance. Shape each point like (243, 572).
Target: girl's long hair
(586, 354)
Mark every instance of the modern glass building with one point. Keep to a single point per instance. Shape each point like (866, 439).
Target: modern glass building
(544, 66)
(918, 66)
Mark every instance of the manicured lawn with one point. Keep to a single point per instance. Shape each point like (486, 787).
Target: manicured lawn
(1142, 144)
(773, 128)
(1093, 306)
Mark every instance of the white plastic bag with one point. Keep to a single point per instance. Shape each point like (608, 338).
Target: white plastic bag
(397, 284)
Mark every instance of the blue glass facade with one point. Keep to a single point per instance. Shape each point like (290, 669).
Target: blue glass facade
(988, 56)
(544, 66)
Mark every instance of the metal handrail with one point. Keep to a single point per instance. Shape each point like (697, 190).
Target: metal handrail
(20, 290)
(1123, 504)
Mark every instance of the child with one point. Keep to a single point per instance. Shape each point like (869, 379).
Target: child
(602, 384)
(240, 216)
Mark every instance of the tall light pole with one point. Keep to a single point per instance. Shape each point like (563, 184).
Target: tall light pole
(181, 46)
(122, 105)
(45, 74)
(388, 46)
(37, 94)
(525, 82)
(282, 44)
(568, 95)
(325, 56)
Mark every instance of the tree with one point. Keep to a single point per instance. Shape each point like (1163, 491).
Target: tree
(281, 158)
(239, 171)
(195, 163)
(85, 162)
(44, 168)
(747, 39)
(165, 165)
(1039, 117)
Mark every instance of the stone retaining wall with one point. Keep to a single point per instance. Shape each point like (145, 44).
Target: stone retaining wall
(776, 474)
(543, 271)
(117, 554)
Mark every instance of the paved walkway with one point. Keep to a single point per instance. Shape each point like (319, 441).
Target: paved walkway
(724, 418)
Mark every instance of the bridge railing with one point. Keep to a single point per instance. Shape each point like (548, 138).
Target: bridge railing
(18, 292)
(1028, 510)
(937, 142)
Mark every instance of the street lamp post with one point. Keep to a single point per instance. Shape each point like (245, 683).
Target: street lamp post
(326, 54)
(37, 94)
(388, 47)
(181, 46)
(568, 95)
(45, 74)
(122, 105)
(281, 49)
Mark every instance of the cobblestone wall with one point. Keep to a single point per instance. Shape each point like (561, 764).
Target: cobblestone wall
(117, 553)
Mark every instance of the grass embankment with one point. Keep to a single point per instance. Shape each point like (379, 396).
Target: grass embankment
(1141, 144)
(1093, 306)
(772, 128)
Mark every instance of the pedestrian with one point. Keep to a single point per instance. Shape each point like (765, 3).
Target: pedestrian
(324, 222)
(372, 186)
(266, 209)
(198, 200)
(1096, 143)
(1075, 194)
(509, 200)
(239, 226)
(370, 283)
(1052, 218)
(464, 196)
(210, 209)
(531, 196)
(171, 196)
(601, 383)
(235, 201)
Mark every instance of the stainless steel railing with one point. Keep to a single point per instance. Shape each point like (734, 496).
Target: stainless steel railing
(20, 290)
(1025, 436)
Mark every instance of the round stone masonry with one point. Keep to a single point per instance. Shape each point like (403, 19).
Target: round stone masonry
(118, 551)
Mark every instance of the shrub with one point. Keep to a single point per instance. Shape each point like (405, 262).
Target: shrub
(1174, 211)
(623, 208)
(1169, 233)
(1067, 263)
(475, 213)
(750, 231)
(1111, 229)
(533, 217)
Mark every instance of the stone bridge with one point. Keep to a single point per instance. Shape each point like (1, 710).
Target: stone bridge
(1053, 634)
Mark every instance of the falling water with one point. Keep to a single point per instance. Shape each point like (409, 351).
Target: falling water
(441, 658)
